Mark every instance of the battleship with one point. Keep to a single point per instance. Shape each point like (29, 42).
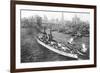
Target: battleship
(67, 50)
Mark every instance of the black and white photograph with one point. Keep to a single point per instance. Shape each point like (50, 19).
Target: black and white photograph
(51, 36)
(54, 36)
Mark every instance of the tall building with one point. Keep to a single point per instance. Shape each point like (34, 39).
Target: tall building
(76, 20)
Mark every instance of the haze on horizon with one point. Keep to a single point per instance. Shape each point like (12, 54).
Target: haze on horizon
(55, 15)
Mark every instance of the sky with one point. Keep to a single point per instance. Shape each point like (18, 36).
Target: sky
(55, 15)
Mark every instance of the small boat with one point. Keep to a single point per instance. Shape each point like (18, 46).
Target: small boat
(56, 50)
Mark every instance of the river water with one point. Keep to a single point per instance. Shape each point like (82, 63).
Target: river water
(31, 51)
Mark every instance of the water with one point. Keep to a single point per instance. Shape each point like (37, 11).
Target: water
(31, 51)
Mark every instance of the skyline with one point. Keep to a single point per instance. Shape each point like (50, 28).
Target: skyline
(56, 15)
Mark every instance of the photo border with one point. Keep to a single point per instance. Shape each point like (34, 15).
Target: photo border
(13, 35)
